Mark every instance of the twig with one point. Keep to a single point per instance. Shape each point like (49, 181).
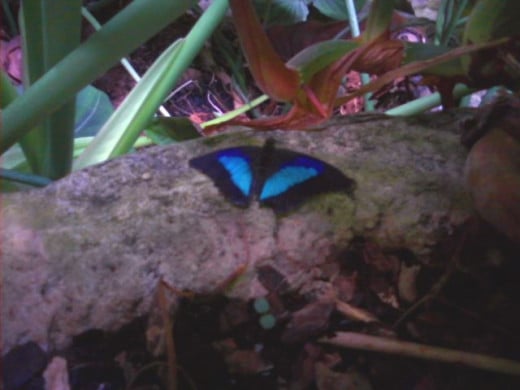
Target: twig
(453, 264)
(170, 343)
(355, 313)
(435, 290)
(422, 351)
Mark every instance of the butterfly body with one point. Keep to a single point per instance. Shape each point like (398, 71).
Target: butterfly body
(279, 178)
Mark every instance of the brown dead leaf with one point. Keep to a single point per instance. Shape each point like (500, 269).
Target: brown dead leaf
(309, 321)
(492, 174)
(241, 361)
(326, 379)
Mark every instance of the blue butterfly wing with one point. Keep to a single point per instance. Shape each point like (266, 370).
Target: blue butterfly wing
(295, 177)
(279, 178)
(240, 172)
(232, 172)
(288, 175)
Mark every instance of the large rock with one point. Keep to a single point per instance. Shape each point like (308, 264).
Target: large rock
(88, 251)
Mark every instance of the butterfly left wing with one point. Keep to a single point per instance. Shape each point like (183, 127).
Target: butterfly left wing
(295, 177)
(232, 171)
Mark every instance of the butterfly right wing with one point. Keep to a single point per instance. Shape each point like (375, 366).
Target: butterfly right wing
(295, 177)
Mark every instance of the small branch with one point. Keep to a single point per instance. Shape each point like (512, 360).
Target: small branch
(355, 313)
(453, 264)
(422, 351)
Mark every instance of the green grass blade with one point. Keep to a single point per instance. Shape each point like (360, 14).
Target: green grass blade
(7, 90)
(121, 131)
(379, 19)
(233, 114)
(124, 126)
(425, 103)
(24, 178)
(124, 32)
(48, 147)
(354, 27)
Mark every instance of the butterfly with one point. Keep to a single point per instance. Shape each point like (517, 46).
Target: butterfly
(278, 178)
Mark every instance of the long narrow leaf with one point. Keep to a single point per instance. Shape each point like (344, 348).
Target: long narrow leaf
(7, 90)
(135, 24)
(137, 110)
(124, 126)
(379, 19)
(48, 147)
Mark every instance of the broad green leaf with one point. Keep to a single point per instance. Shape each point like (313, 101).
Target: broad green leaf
(93, 108)
(14, 158)
(164, 131)
(449, 15)
(318, 56)
(379, 19)
(336, 9)
(492, 19)
(282, 11)
(425, 51)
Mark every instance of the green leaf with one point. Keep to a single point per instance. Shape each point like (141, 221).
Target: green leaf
(449, 15)
(492, 19)
(120, 132)
(282, 11)
(48, 147)
(8, 92)
(318, 56)
(164, 131)
(14, 158)
(93, 108)
(336, 9)
(379, 19)
(122, 129)
(22, 178)
(125, 31)
(425, 51)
